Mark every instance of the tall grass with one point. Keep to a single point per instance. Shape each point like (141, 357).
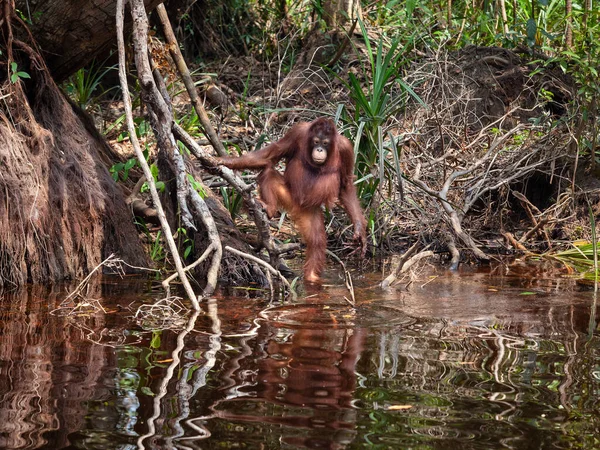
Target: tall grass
(377, 99)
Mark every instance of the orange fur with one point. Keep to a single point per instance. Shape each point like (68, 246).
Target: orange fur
(306, 185)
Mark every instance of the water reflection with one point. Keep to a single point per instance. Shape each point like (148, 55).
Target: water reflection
(300, 375)
(463, 361)
(50, 369)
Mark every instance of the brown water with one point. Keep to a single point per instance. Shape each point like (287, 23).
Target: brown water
(507, 358)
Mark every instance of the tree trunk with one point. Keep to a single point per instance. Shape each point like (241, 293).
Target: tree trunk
(61, 213)
(569, 26)
(72, 33)
(337, 13)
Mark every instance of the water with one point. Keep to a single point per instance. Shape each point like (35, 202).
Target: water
(503, 358)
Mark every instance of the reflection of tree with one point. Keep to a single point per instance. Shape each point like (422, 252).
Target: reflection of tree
(487, 378)
(291, 377)
(47, 371)
(185, 389)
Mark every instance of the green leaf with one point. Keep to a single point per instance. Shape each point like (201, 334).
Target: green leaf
(154, 171)
(155, 342)
(413, 94)
(147, 391)
(528, 293)
(531, 30)
(130, 163)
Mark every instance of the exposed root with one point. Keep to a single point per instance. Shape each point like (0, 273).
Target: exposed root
(60, 211)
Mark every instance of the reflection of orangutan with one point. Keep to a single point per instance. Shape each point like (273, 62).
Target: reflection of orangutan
(319, 170)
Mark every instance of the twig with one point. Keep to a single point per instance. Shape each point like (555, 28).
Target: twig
(342, 47)
(84, 283)
(267, 266)
(528, 206)
(347, 277)
(203, 257)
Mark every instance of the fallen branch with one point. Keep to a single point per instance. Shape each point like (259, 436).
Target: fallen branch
(343, 46)
(396, 271)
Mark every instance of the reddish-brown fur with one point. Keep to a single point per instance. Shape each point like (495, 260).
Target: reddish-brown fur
(306, 185)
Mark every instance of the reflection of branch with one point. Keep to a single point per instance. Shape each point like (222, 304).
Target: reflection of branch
(199, 374)
(184, 391)
(162, 390)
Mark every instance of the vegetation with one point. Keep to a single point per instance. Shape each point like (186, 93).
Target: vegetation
(428, 157)
(469, 119)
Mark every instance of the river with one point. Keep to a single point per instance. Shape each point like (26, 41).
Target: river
(502, 357)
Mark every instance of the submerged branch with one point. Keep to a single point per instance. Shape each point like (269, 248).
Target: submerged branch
(267, 266)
